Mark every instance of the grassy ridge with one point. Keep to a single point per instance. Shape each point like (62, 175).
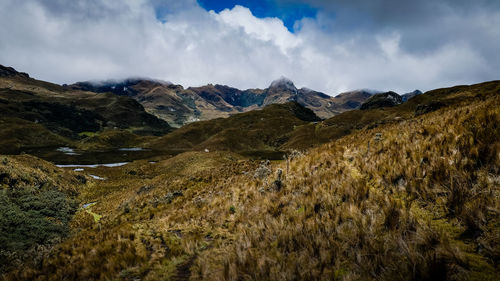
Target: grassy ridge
(311, 135)
(39, 114)
(260, 130)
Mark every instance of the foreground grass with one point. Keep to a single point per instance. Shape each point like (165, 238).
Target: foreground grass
(419, 202)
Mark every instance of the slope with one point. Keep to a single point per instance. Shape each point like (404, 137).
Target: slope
(35, 113)
(254, 132)
(343, 124)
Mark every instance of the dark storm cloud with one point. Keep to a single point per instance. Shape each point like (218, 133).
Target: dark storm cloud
(78, 9)
(387, 13)
(424, 26)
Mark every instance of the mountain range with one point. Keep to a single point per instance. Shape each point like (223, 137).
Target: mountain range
(179, 106)
(102, 115)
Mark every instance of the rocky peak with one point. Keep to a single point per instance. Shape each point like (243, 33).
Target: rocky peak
(124, 87)
(11, 72)
(410, 95)
(283, 83)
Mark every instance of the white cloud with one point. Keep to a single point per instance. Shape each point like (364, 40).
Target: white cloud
(92, 40)
(267, 29)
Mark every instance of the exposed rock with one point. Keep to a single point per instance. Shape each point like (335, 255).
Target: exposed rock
(11, 72)
(410, 95)
(426, 108)
(179, 106)
(388, 99)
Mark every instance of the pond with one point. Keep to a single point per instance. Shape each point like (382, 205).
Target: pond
(68, 157)
(109, 165)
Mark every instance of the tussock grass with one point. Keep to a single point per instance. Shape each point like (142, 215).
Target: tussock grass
(410, 208)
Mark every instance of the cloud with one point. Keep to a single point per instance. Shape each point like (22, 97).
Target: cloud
(266, 29)
(178, 41)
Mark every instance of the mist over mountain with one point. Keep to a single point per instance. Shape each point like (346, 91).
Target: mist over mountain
(178, 105)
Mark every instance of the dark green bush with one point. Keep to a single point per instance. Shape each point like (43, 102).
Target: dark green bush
(32, 217)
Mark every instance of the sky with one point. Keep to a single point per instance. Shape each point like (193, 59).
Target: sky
(329, 46)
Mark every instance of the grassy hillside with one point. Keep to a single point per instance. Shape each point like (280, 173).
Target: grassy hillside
(408, 198)
(17, 135)
(35, 113)
(37, 201)
(418, 204)
(253, 132)
(312, 135)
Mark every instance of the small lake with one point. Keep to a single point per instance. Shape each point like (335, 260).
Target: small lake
(109, 165)
(68, 157)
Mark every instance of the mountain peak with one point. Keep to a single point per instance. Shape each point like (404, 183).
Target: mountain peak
(410, 95)
(387, 99)
(283, 82)
(11, 72)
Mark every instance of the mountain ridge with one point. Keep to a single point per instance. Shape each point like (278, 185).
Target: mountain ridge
(36, 113)
(179, 106)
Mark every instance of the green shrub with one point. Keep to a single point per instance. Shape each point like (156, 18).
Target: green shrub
(32, 217)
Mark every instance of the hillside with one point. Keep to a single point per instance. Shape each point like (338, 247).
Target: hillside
(312, 135)
(35, 113)
(179, 106)
(409, 193)
(37, 203)
(259, 132)
(277, 129)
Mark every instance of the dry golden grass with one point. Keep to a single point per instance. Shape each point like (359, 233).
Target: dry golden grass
(419, 203)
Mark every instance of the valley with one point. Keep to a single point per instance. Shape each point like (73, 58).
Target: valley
(97, 185)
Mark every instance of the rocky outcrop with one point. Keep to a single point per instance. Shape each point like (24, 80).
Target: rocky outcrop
(388, 99)
(430, 107)
(410, 95)
(11, 72)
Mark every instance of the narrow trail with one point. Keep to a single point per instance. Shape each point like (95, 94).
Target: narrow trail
(184, 270)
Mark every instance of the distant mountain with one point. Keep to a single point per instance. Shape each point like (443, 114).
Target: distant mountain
(353, 99)
(388, 99)
(179, 106)
(410, 95)
(282, 127)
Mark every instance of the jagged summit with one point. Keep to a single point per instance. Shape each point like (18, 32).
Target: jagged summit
(179, 106)
(283, 82)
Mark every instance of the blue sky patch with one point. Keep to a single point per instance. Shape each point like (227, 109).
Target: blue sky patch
(289, 13)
